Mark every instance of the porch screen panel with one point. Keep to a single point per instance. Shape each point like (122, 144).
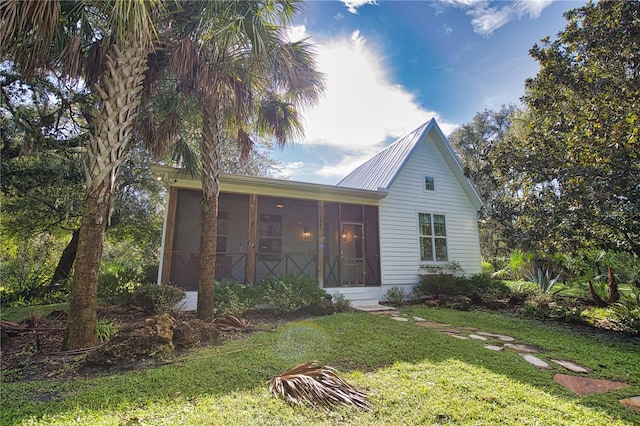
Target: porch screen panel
(186, 241)
(331, 245)
(372, 246)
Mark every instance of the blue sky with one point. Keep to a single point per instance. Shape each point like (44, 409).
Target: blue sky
(393, 65)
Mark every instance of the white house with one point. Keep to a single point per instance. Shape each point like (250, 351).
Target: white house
(408, 210)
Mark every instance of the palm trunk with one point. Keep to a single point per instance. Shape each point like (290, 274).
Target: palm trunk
(63, 269)
(210, 147)
(612, 285)
(119, 93)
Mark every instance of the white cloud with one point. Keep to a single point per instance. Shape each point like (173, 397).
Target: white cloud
(362, 109)
(486, 16)
(290, 169)
(353, 5)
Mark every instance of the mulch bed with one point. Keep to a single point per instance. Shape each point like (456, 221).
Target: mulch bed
(35, 353)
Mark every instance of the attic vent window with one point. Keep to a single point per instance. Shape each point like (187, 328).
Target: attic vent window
(429, 183)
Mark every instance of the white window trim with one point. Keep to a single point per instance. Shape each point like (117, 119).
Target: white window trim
(435, 186)
(433, 237)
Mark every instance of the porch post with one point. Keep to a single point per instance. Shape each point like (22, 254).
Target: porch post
(320, 244)
(167, 252)
(250, 269)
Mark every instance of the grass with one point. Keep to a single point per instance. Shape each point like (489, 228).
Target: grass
(19, 313)
(414, 375)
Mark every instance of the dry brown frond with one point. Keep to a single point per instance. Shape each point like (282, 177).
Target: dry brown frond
(95, 62)
(231, 322)
(72, 57)
(167, 135)
(245, 143)
(185, 61)
(316, 385)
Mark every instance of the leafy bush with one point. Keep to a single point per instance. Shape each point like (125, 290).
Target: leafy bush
(395, 295)
(626, 317)
(116, 287)
(290, 293)
(26, 272)
(341, 303)
(157, 299)
(472, 287)
(231, 297)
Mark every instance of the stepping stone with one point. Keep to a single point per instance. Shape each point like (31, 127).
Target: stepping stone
(498, 336)
(523, 349)
(587, 386)
(475, 336)
(494, 348)
(430, 324)
(571, 366)
(457, 336)
(468, 328)
(535, 361)
(401, 319)
(449, 330)
(419, 319)
(633, 402)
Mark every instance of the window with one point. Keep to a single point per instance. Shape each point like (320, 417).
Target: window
(433, 237)
(270, 237)
(429, 183)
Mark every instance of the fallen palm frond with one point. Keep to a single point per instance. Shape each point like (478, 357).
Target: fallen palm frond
(316, 385)
(231, 322)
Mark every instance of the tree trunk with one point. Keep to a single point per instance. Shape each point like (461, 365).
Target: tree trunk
(63, 270)
(210, 147)
(597, 299)
(119, 95)
(82, 317)
(612, 284)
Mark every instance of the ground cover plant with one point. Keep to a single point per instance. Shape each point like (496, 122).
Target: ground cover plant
(416, 374)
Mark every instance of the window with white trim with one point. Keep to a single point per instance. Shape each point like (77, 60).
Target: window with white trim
(433, 237)
(429, 183)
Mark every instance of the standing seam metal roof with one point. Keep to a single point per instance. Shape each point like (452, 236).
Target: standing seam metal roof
(380, 171)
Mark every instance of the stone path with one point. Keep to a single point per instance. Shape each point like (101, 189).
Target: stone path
(580, 385)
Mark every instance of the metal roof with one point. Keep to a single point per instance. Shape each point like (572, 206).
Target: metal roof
(379, 172)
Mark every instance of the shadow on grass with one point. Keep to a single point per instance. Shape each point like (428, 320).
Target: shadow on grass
(348, 342)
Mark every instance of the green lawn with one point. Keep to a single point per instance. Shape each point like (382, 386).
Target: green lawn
(414, 376)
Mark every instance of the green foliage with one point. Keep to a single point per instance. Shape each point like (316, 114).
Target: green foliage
(291, 293)
(570, 165)
(231, 297)
(514, 266)
(396, 296)
(105, 329)
(26, 271)
(543, 280)
(473, 287)
(625, 317)
(157, 299)
(341, 303)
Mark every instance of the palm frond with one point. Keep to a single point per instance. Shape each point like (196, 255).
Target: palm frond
(278, 118)
(316, 385)
(167, 135)
(231, 322)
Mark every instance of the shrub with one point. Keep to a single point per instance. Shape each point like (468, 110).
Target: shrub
(231, 297)
(290, 293)
(105, 329)
(543, 280)
(437, 284)
(395, 295)
(341, 303)
(157, 299)
(626, 317)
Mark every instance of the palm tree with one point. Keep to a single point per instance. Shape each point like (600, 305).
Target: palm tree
(108, 43)
(247, 78)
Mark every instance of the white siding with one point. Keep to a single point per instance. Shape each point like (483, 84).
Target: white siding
(399, 240)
